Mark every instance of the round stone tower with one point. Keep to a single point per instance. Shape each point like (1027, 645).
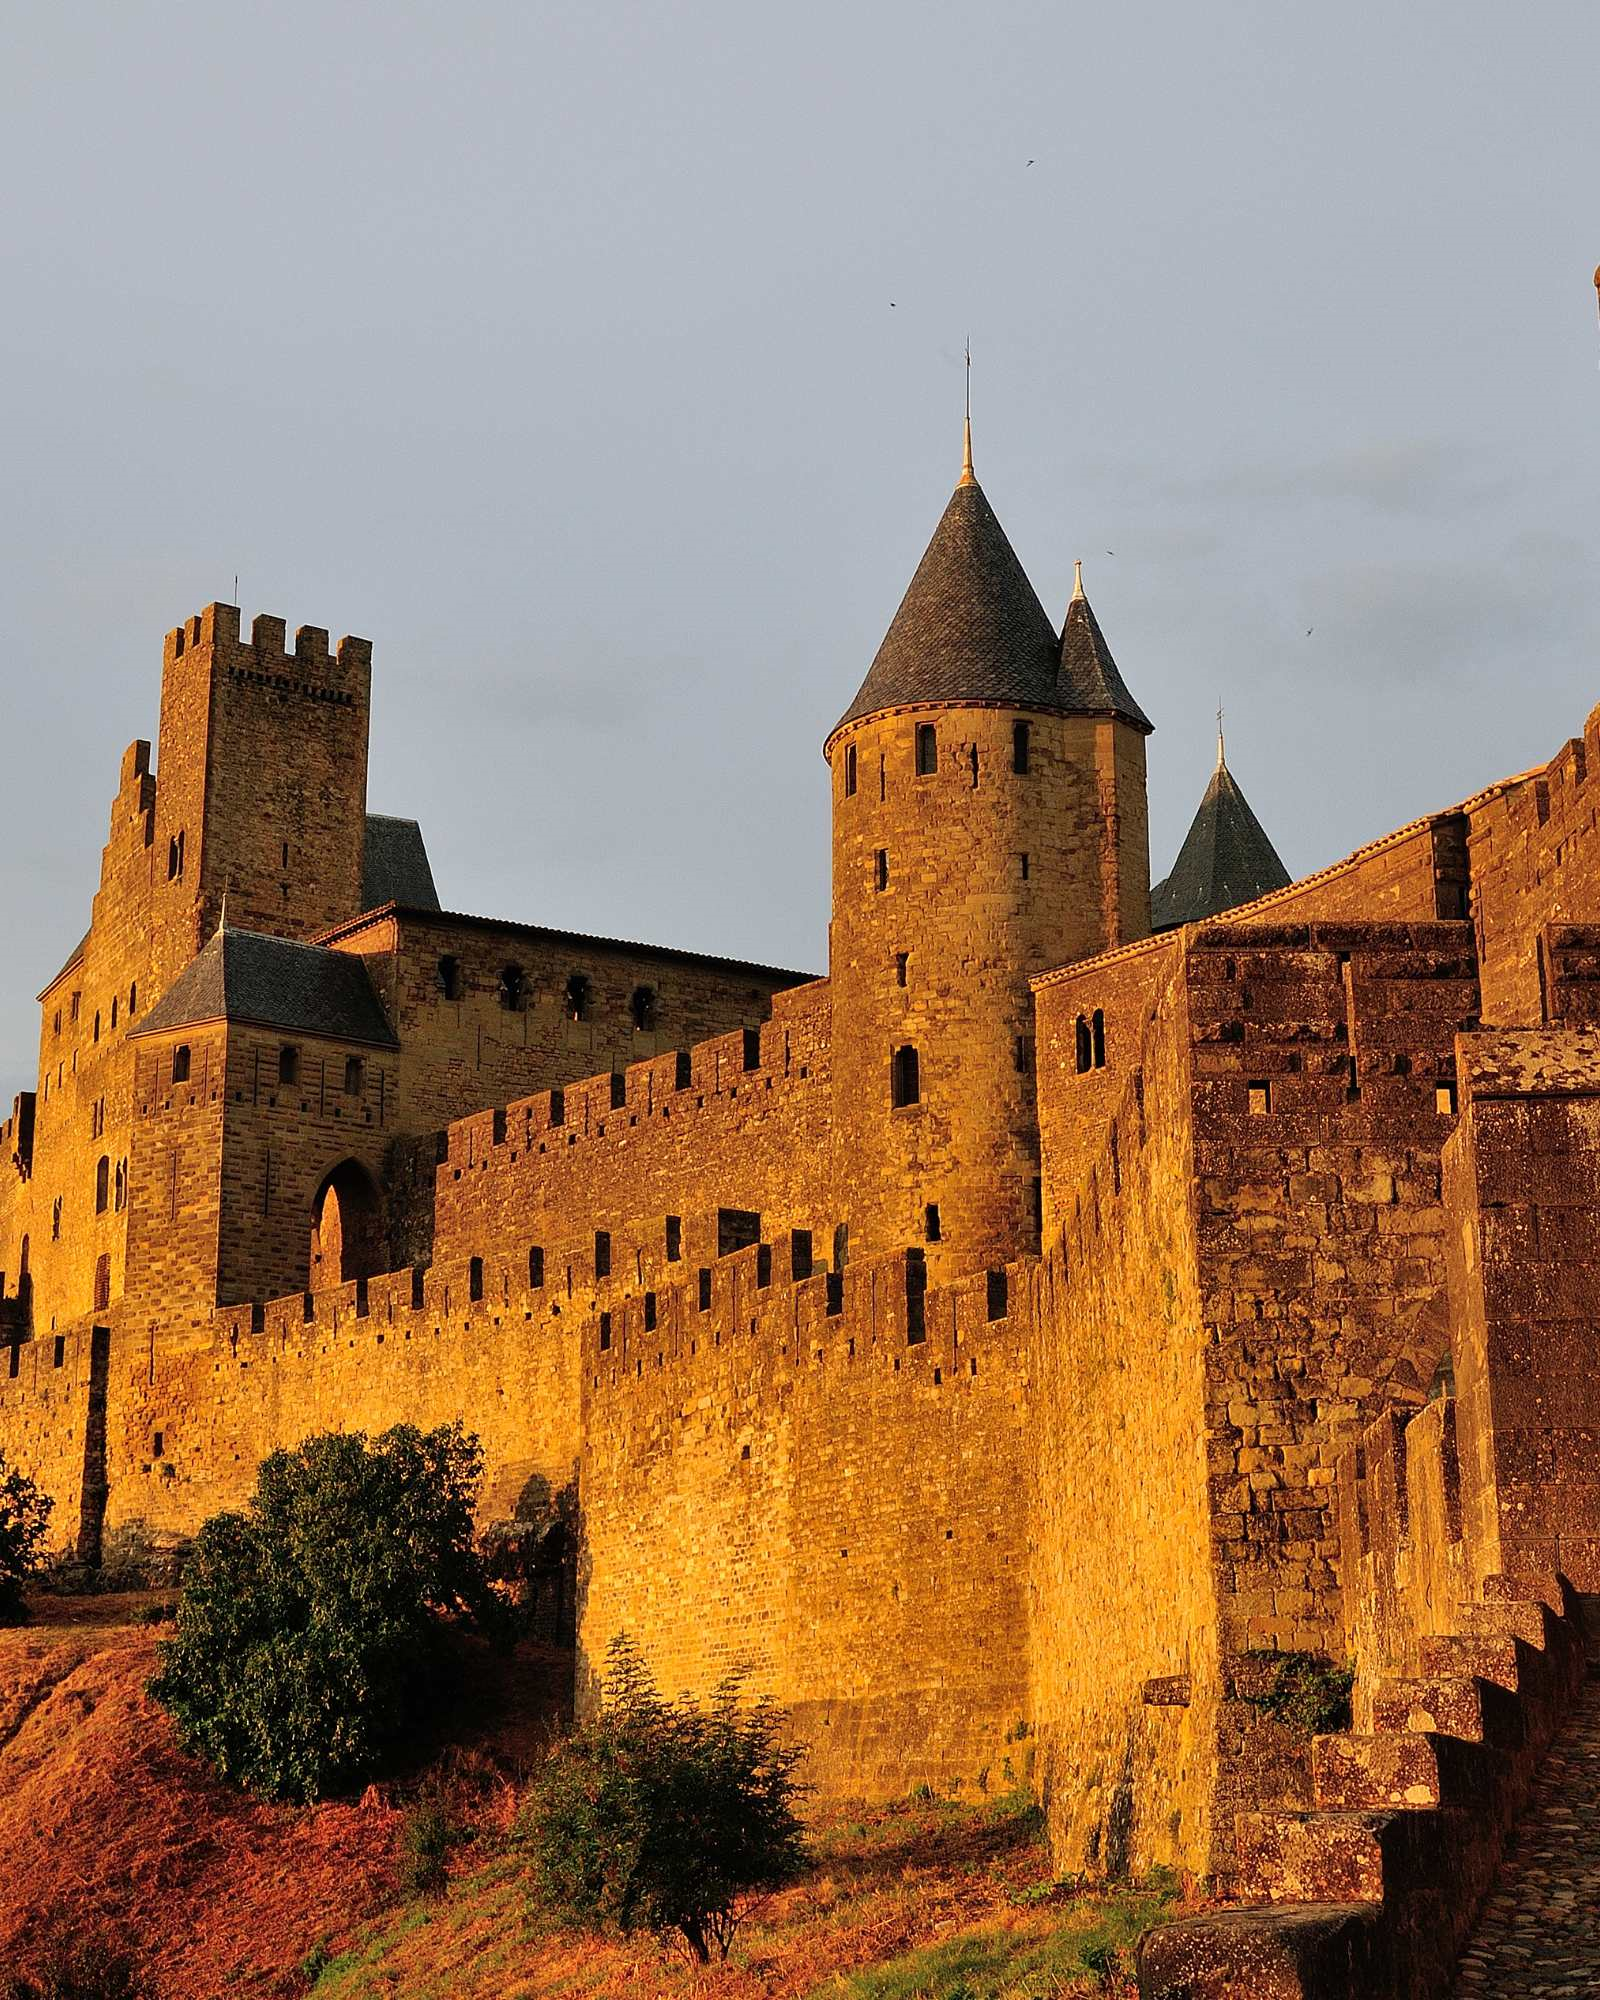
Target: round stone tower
(988, 823)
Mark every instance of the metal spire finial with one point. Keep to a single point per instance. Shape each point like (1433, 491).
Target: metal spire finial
(1222, 762)
(968, 477)
(1077, 579)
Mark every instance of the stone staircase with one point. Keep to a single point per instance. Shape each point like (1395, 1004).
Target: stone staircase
(1370, 1892)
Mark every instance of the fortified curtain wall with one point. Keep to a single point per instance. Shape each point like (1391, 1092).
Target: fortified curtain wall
(1493, 1491)
(553, 1210)
(1244, 1272)
(1121, 1587)
(821, 1482)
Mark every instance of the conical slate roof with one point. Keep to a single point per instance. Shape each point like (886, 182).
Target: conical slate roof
(1089, 680)
(273, 982)
(969, 628)
(1226, 859)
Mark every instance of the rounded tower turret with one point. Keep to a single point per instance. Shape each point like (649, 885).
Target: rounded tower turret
(988, 822)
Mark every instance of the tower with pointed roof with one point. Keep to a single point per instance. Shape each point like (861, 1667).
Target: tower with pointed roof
(988, 821)
(1226, 858)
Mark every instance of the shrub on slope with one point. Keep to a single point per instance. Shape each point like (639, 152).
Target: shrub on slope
(309, 1639)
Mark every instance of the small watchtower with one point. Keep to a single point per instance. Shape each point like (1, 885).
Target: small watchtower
(988, 823)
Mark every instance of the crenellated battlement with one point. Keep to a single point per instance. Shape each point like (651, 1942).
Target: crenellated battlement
(267, 651)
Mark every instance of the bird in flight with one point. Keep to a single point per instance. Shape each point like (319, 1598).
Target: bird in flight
(1030, 163)
(1110, 552)
(1309, 630)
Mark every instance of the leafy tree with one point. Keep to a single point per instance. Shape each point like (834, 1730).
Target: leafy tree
(24, 1519)
(663, 1815)
(311, 1632)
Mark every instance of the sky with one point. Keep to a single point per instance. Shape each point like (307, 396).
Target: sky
(602, 364)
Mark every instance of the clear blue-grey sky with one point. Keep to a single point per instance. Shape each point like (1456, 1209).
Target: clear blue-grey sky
(602, 364)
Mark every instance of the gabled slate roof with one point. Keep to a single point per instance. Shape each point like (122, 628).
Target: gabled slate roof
(1089, 680)
(970, 628)
(1226, 859)
(273, 982)
(394, 865)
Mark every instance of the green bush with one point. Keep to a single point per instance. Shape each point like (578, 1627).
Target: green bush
(426, 1838)
(310, 1639)
(67, 1971)
(664, 1815)
(1308, 1694)
(24, 1519)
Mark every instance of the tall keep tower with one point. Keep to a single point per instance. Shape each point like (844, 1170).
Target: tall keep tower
(261, 779)
(988, 822)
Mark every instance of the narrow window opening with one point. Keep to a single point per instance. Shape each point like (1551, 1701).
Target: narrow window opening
(286, 854)
(645, 1008)
(113, 1013)
(450, 977)
(674, 1238)
(901, 960)
(1024, 860)
(354, 1076)
(800, 1259)
(841, 1245)
(605, 1331)
(133, 998)
(883, 779)
(1023, 1055)
(904, 1079)
(1098, 1031)
(180, 1063)
(1019, 748)
(102, 1283)
(703, 1289)
(511, 988)
(535, 1268)
(577, 999)
(59, 1354)
(927, 750)
(930, 1222)
(916, 1297)
(1444, 1099)
(288, 1064)
(995, 1300)
(102, 1185)
(880, 868)
(649, 1312)
(158, 1444)
(602, 1253)
(55, 1220)
(475, 1279)
(1260, 1098)
(850, 771)
(97, 1024)
(1084, 1049)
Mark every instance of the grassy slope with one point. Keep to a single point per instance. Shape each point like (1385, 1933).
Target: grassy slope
(110, 1832)
(918, 1901)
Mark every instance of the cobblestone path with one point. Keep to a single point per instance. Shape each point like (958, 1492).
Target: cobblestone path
(1539, 1934)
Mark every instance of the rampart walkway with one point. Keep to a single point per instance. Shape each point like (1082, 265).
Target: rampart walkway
(1539, 1934)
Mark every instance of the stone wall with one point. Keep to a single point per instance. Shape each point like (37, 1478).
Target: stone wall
(818, 1481)
(1122, 1592)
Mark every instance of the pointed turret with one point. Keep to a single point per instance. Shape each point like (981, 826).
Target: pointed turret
(970, 627)
(1089, 682)
(1226, 858)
